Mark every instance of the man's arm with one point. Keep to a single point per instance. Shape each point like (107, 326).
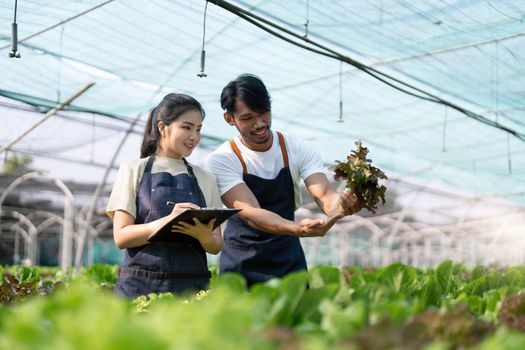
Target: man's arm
(241, 197)
(328, 200)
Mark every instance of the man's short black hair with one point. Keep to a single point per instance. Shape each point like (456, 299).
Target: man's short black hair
(249, 89)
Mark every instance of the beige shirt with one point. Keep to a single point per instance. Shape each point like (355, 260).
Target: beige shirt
(123, 195)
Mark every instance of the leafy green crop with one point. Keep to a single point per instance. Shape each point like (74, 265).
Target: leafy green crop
(362, 178)
(395, 306)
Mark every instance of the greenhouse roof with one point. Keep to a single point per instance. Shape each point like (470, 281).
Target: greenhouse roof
(435, 89)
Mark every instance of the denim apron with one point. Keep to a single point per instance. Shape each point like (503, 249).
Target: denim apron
(175, 266)
(259, 255)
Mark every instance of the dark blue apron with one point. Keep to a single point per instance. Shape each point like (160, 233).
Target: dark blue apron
(256, 254)
(175, 266)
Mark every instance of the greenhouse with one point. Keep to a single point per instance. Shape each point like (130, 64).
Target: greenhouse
(434, 90)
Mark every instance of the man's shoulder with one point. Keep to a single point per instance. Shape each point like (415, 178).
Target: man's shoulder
(222, 159)
(296, 144)
(221, 152)
(290, 138)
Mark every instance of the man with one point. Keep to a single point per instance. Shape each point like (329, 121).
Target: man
(259, 172)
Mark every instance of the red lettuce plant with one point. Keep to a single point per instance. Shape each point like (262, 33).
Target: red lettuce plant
(362, 178)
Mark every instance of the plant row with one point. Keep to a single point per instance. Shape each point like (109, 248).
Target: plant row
(393, 307)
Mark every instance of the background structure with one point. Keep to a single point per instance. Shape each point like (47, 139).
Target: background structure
(435, 89)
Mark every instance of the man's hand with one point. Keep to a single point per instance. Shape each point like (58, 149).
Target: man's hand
(347, 204)
(315, 227)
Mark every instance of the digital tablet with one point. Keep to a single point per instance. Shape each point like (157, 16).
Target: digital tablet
(204, 215)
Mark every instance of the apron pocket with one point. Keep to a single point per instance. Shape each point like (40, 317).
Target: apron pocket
(170, 257)
(260, 262)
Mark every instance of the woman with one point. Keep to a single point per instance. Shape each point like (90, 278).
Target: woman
(142, 202)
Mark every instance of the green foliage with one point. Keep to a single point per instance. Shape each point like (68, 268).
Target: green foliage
(17, 165)
(324, 275)
(233, 281)
(477, 272)
(103, 275)
(396, 306)
(362, 178)
(514, 277)
(444, 276)
(504, 339)
(341, 322)
(429, 294)
(399, 277)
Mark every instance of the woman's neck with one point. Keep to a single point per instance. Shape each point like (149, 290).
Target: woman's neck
(169, 155)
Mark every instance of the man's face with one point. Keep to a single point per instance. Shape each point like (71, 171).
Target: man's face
(254, 128)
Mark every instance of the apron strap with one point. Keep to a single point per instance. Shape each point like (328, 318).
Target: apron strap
(283, 148)
(149, 164)
(196, 187)
(238, 153)
(147, 170)
(282, 144)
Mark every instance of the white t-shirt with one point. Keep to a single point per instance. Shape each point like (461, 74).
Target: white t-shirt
(304, 160)
(126, 185)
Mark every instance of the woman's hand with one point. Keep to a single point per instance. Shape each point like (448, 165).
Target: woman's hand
(197, 230)
(182, 207)
(209, 238)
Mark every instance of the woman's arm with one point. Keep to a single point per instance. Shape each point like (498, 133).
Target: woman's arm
(127, 234)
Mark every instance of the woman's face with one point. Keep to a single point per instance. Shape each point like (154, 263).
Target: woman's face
(180, 138)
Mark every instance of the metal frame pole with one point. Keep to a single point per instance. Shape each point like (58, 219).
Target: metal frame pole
(46, 116)
(89, 214)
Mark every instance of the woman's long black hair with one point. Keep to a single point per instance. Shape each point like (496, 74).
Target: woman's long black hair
(169, 109)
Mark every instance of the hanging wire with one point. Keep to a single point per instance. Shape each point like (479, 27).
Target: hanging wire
(387, 79)
(503, 13)
(340, 93)
(307, 19)
(14, 36)
(203, 52)
(59, 23)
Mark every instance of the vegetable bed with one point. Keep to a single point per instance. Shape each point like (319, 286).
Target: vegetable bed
(394, 307)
